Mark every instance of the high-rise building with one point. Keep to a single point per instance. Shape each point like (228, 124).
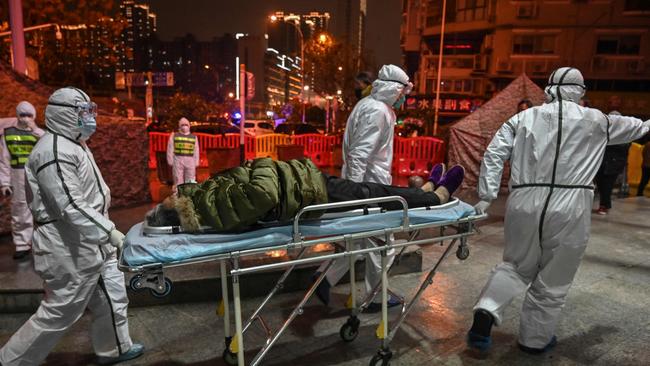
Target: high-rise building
(140, 26)
(489, 43)
(285, 38)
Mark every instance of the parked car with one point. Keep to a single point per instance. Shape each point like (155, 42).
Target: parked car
(295, 128)
(258, 127)
(216, 128)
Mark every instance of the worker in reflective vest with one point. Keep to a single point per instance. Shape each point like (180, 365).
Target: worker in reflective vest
(16, 144)
(183, 153)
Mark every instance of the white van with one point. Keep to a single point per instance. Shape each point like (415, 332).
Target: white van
(258, 127)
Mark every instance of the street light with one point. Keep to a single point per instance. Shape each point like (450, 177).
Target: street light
(18, 58)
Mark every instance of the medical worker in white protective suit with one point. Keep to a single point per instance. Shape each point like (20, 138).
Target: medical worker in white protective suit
(74, 241)
(554, 151)
(183, 153)
(16, 143)
(368, 157)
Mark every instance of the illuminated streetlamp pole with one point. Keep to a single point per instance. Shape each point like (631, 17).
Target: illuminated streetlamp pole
(17, 36)
(442, 42)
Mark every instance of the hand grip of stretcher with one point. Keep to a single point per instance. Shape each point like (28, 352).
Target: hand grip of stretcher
(335, 205)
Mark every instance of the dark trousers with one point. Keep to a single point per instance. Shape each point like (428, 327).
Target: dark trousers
(339, 190)
(645, 178)
(605, 183)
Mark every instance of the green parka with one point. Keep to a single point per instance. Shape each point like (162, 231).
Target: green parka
(265, 190)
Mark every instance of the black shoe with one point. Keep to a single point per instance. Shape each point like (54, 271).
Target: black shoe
(21, 254)
(323, 289)
(539, 351)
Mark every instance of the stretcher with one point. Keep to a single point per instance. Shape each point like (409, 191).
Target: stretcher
(148, 251)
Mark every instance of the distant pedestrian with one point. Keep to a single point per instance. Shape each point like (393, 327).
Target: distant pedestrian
(363, 84)
(614, 163)
(645, 169)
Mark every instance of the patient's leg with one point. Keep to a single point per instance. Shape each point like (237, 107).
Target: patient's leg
(339, 190)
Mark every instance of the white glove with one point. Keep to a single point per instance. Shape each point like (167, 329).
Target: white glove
(482, 207)
(116, 239)
(6, 191)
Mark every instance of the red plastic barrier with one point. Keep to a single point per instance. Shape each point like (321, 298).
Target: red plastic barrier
(416, 155)
(158, 142)
(412, 156)
(318, 147)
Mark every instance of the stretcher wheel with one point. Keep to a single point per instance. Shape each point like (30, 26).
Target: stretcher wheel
(229, 358)
(165, 291)
(136, 283)
(350, 330)
(381, 358)
(462, 252)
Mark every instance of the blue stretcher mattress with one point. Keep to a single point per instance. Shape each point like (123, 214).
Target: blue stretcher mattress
(142, 249)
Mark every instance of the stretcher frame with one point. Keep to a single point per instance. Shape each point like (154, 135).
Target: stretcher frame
(151, 275)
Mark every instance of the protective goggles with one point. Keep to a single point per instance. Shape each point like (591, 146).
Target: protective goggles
(407, 86)
(85, 110)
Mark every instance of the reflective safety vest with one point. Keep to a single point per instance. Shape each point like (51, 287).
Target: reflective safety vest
(184, 144)
(20, 144)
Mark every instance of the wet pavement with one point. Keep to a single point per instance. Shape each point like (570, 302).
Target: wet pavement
(605, 320)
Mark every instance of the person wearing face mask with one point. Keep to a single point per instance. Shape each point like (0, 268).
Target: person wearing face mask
(16, 143)
(368, 157)
(554, 152)
(183, 153)
(363, 84)
(74, 241)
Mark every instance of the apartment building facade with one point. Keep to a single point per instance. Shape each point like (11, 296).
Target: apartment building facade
(488, 43)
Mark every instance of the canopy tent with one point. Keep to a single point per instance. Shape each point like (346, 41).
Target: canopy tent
(470, 136)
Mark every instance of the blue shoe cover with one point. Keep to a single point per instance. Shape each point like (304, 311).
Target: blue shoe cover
(479, 342)
(135, 351)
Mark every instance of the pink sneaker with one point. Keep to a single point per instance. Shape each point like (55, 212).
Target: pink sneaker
(602, 210)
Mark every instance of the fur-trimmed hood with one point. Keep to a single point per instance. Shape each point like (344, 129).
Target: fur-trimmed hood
(190, 221)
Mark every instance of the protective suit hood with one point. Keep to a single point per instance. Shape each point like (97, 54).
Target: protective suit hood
(25, 107)
(64, 120)
(389, 85)
(566, 81)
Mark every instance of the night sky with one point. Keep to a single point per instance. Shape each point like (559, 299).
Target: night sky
(209, 18)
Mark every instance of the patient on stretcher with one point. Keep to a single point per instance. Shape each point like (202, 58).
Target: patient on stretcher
(264, 190)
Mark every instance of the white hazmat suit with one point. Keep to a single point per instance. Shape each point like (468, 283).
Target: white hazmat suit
(183, 153)
(72, 242)
(554, 151)
(16, 144)
(368, 153)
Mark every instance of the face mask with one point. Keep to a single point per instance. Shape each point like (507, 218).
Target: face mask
(185, 129)
(398, 103)
(88, 127)
(26, 122)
